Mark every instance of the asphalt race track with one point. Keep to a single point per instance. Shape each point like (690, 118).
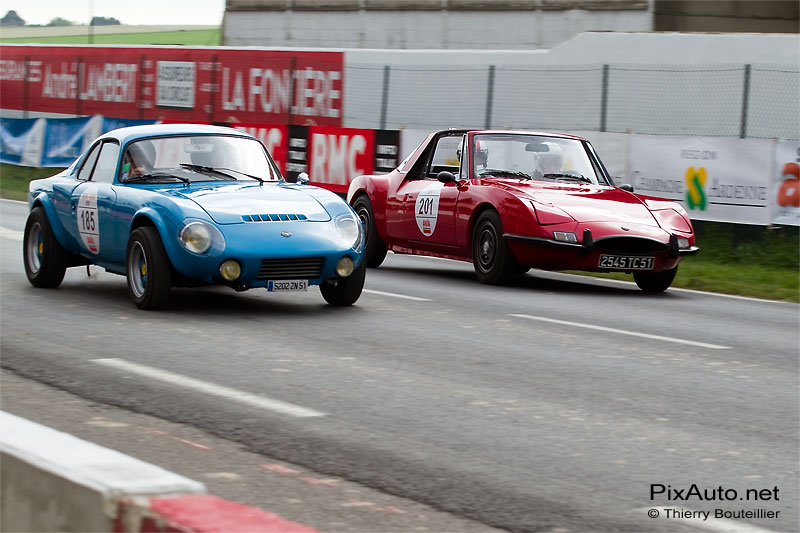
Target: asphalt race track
(559, 402)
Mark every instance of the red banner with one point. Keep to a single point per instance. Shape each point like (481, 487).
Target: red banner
(183, 84)
(337, 155)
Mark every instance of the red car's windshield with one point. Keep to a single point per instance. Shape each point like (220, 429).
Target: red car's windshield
(532, 157)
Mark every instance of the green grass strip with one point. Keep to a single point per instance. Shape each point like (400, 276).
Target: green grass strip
(180, 37)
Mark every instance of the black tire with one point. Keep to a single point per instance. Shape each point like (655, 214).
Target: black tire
(655, 281)
(345, 291)
(374, 249)
(45, 259)
(148, 269)
(493, 261)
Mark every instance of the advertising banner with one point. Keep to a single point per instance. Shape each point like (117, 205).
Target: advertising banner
(337, 155)
(52, 142)
(275, 139)
(786, 184)
(724, 180)
(331, 156)
(179, 84)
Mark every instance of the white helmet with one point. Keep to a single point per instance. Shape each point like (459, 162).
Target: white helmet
(550, 162)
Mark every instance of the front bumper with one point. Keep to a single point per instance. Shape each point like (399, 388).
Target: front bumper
(310, 252)
(558, 255)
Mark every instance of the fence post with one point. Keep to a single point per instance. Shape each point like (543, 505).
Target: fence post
(385, 101)
(604, 99)
(745, 101)
(489, 97)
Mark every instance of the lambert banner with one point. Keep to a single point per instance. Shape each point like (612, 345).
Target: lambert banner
(724, 180)
(175, 83)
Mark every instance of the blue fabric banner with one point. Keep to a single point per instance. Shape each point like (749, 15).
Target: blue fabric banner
(53, 142)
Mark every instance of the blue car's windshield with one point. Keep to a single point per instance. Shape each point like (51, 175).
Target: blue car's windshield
(197, 158)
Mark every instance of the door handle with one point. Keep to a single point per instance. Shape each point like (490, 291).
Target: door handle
(74, 205)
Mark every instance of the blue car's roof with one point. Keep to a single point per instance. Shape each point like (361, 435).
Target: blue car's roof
(133, 133)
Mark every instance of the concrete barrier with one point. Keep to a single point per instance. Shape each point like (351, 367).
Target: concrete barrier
(52, 481)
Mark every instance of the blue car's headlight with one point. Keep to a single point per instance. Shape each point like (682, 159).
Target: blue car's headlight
(199, 237)
(349, 228)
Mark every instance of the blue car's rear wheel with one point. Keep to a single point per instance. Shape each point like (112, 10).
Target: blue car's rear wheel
(45, 259)
(148, 269)
(493, 261)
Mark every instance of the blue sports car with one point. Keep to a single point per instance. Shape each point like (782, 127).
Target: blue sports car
(188, 205)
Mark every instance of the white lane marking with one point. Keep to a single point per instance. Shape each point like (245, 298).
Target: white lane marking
(210, 388)
(631, 284)
(13, 201)
(381, 293)
(623, 332)
(720, 525)
(11, 234)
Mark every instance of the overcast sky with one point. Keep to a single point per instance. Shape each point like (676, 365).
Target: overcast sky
(126, 11)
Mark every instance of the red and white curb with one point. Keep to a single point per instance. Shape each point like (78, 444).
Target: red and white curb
(53, 481)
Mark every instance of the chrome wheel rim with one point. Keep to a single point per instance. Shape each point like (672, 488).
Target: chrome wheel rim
(35, 248)
(363, 215)
(137, 270)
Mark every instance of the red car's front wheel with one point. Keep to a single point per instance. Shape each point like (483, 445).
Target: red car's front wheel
(655, 281)
(493, 261)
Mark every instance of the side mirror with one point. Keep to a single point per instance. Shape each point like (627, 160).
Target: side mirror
(626, 187)
(302, 179)
(446, 177)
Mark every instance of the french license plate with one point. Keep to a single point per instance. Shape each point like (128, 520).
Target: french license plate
(626, 262)
(287, 285)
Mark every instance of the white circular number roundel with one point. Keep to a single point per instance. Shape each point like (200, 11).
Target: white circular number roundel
(426, 210)
(88, 222)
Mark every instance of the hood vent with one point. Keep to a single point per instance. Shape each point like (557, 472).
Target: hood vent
(273, 217)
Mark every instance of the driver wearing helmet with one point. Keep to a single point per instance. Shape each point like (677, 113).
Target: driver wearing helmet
(549, 162)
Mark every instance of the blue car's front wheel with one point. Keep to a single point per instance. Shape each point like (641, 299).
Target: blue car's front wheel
(148, 269)
(344, 291)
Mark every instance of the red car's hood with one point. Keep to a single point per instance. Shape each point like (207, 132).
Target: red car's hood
(584, 203)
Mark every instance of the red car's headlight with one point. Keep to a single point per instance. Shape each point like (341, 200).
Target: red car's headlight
(550, 214)
(671, 220)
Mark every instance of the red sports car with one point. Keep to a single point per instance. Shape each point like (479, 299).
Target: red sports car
(512, 200)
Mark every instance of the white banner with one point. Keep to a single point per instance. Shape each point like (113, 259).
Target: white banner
(786, 184)
(725, 180)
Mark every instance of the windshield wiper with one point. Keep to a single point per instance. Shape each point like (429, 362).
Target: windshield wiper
(576, 177)
(155, 176)
(511, 173)
(220, 171)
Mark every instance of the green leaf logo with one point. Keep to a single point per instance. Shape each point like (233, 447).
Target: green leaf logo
(695, 195)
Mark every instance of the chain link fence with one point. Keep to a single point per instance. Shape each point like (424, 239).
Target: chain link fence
(746, 101)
